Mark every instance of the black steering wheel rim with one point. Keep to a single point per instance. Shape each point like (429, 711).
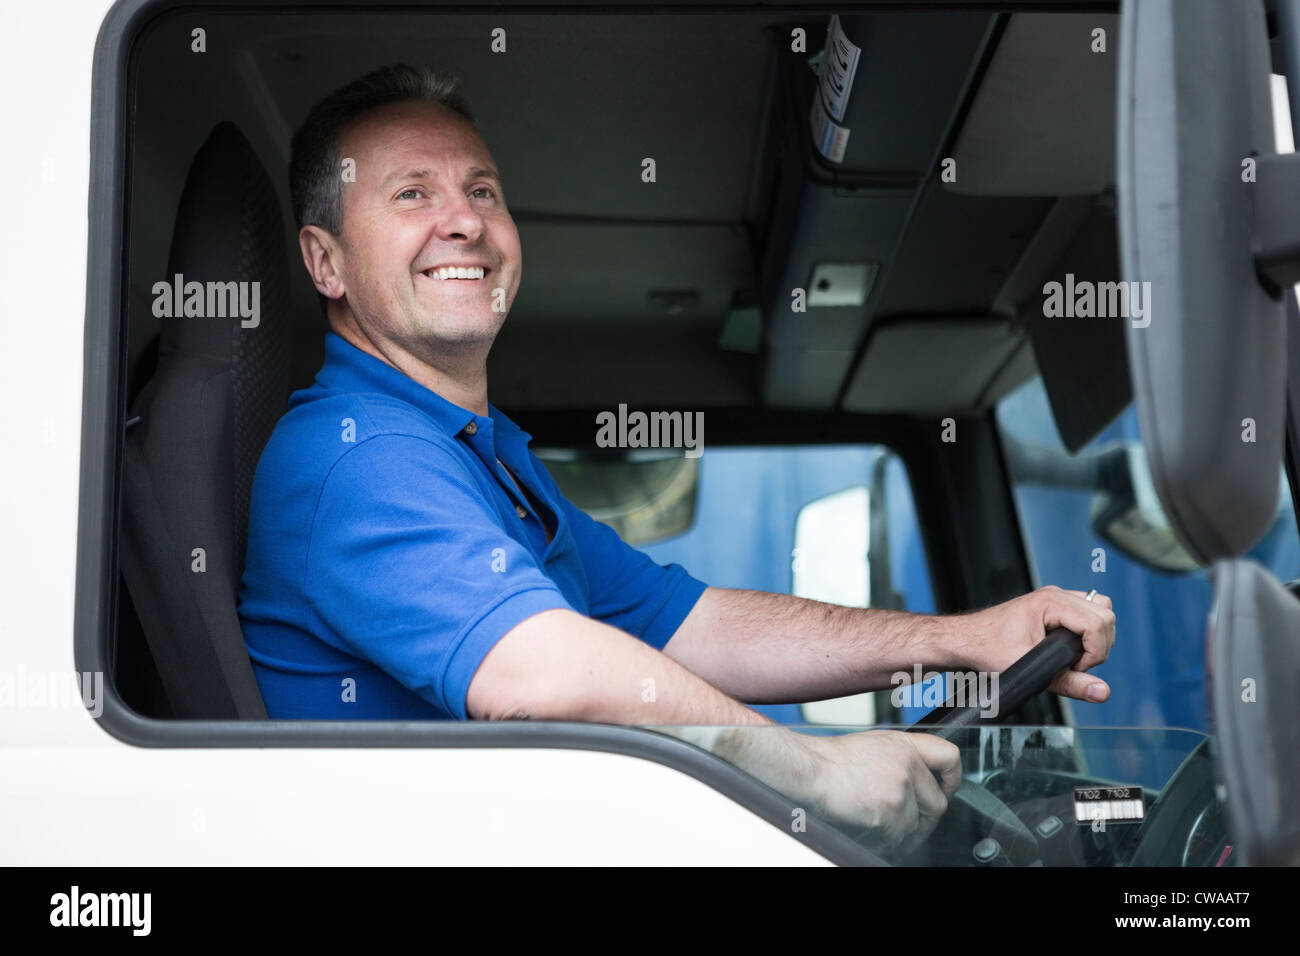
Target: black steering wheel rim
(1031, 674)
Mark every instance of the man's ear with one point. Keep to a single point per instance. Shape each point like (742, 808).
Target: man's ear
(322, 254)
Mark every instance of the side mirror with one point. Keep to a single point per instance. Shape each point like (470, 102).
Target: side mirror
(842, 551)
(1128, 515)
(842, 556)
(832, 562)
(1126, 510)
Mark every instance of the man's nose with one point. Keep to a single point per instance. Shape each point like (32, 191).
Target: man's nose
(459, 219)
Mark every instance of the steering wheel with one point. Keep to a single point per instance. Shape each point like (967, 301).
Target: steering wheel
(973, 806)
(1030, 675)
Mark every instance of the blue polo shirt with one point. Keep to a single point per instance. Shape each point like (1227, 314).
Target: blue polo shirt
(388, 551)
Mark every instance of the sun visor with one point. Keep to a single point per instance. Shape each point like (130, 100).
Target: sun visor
(1208, 362)
(935, 365)
(1076, 325)
(1253, 664)
(1043, 120)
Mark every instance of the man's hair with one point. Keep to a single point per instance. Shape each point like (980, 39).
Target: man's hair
(315, 167)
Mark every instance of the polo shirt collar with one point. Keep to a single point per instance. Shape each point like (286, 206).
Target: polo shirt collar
(349, 369)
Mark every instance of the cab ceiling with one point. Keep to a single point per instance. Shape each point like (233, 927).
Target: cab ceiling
(630, 287)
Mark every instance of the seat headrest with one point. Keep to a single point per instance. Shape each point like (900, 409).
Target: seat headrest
(229, 242)
(228, 230)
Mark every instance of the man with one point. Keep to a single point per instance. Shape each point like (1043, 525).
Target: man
(409, 558)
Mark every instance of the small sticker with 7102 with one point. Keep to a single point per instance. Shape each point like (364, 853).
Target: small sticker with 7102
(1112, 804)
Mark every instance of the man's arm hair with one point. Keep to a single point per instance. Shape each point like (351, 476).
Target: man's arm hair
(776, 649)
(561, 665)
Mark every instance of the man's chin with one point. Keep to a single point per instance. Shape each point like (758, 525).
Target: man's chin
(469, 332)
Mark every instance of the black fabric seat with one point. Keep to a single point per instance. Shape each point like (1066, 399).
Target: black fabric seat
(195, 433)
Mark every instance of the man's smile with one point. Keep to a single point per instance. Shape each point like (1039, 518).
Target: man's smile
(454, 272)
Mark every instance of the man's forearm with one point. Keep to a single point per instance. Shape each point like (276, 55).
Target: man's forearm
(773, 648)
(559, 665)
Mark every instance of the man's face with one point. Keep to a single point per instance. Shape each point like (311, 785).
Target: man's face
(426, 196)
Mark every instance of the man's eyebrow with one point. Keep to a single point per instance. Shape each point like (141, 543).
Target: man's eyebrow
(478, 172)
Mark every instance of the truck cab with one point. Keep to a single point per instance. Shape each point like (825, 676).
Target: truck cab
(894, 259)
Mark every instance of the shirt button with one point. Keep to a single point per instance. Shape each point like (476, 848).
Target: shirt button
(471, 428)
(519, 510)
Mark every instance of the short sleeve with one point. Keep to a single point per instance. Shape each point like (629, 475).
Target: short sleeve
(628, 589)
(410, 567)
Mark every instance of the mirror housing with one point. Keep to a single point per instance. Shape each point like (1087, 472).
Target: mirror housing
(645, 495)
(1127, 514)
(1125, 511)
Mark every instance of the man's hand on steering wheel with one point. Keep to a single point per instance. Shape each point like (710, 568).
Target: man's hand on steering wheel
(894, 784)
(1000, 635)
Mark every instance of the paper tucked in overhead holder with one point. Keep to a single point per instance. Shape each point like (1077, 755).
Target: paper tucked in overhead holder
(839, 65)
(830, 138)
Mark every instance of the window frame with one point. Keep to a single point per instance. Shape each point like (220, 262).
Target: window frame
(936, 492)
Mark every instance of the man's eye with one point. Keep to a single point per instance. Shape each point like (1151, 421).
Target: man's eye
(408, 194)
(483, 189)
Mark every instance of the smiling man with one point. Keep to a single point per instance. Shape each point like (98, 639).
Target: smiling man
(409, 557)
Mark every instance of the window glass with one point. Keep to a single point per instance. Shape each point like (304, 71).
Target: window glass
(1029, 796)
(1157, 668)
(834, 523)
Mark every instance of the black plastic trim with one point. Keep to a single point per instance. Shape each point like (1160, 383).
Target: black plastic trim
(992, 38)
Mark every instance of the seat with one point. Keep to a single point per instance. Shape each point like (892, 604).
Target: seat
(195, 432)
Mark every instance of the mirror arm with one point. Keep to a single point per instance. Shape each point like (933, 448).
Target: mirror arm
(1035, 464)
(1277, 228)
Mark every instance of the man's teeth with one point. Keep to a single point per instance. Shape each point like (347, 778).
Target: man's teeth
(456, 272)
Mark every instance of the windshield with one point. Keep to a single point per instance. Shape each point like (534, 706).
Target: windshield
(1069, 523)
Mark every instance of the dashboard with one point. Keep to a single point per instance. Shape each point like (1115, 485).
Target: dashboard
(1028, 815)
